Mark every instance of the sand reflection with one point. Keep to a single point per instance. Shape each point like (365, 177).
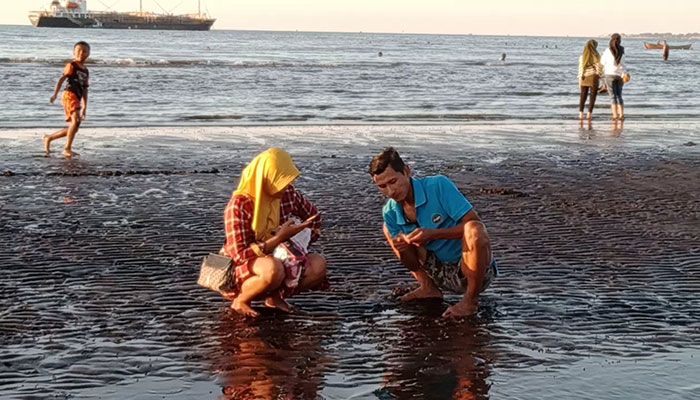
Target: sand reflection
(273, 357)
(433, 359)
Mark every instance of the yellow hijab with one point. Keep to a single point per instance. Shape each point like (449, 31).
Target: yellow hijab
(590, 54)
(269, 173)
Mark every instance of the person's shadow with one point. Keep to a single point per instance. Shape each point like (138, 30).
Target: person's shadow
(432, 358)
(274, 356)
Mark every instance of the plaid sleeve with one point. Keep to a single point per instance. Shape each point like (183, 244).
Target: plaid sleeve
(304, 209)
(238, 221)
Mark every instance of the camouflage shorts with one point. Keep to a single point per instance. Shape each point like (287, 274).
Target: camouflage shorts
(449, 276)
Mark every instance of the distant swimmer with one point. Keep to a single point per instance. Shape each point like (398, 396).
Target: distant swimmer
(380, 54)
(503, 57)
(666, 51)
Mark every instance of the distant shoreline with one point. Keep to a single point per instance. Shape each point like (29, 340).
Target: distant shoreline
(667, 36)
(682, 36)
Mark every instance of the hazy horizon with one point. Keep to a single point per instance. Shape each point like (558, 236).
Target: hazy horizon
(495, 18)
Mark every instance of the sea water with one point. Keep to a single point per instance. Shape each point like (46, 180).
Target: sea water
(162, 78)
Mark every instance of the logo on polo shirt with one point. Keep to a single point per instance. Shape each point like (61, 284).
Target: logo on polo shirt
(437, 218)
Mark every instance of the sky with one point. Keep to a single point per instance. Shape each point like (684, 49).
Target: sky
(486, 17)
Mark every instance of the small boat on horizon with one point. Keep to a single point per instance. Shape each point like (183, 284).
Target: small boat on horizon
(660, 46)
(75, 14)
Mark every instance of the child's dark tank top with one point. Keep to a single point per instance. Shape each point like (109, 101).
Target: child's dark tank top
(78, 80)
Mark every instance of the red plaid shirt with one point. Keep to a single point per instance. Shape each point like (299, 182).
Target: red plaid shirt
(238, 220)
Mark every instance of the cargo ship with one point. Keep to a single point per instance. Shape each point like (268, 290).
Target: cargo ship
(75, 14)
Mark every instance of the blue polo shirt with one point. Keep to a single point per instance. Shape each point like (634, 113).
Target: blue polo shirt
(439, 205)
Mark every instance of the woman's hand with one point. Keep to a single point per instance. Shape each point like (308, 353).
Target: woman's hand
(288, 229)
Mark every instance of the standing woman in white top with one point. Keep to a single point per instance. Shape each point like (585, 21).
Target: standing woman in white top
(589, 70)
(615, 75)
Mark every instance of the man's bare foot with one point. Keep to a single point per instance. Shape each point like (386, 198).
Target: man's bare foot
(69, 153)
(47, 145)
(244, 309)
(422, 293)
(279, 303)
(461, 309)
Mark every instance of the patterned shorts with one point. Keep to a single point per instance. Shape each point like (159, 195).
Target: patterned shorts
(449, 276)
(71, 104)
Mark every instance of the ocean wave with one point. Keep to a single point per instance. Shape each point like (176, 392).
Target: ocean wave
(164, 63)
(214, 117)
(428, 117)
(436, 117)
(183, 63)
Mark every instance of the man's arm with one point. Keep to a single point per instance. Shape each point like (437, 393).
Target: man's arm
(406, 253)
(420, 237)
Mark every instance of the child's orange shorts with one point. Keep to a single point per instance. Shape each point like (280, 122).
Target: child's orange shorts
(71, 104)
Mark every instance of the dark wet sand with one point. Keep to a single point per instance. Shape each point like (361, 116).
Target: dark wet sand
(598, 245)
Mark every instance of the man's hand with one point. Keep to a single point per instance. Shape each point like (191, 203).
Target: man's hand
(419, 237)
(400, 243)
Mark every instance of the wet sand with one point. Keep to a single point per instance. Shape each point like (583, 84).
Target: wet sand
(596, 233)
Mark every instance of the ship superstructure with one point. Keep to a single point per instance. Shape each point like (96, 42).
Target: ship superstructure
(75, 14)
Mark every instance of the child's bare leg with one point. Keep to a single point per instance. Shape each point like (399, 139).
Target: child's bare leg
(50, 138)
(72, 130)
(269, 274)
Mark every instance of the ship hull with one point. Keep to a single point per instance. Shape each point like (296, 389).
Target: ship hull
(63, 22)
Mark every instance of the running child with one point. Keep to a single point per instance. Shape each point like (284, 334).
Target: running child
(75, 98)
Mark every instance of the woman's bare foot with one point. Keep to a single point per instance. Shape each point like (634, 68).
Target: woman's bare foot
(580, 115)
(590, 117)
(277, 302)
(422, 293)
(244, 309)
(461, 309)
(47, 145)
(69, 153)
(230, 296)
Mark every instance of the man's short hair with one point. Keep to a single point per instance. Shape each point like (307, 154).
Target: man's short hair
(388, 157)
(82, 43)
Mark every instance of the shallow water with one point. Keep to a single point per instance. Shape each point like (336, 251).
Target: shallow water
(157, 78)
(596, 236)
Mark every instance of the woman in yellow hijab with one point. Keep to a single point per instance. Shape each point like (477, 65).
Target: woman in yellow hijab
(263, 213)
(589, 71)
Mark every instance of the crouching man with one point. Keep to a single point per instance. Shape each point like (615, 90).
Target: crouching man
(435, 232)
